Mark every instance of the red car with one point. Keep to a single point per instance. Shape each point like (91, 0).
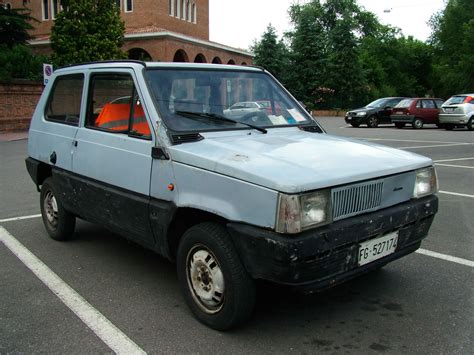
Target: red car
(417, 112)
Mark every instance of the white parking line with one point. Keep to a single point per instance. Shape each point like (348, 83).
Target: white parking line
(455, 194)
(19, 218)
(408, 140)
(453, 259)
(455, 166)
(456, 159)
(101, 326)
(434, 146)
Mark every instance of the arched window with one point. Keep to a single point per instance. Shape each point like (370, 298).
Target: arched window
(200, 58)
(231, 61)
(217, 60)
(180, 56)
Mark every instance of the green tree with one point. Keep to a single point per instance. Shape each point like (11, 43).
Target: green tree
(14, 26)
(271, 54)
(87, 30)
(16, 59)
(452, 38)
(325, 52)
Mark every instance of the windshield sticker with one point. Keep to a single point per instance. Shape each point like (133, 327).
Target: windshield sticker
(277, 120)
(296, 115)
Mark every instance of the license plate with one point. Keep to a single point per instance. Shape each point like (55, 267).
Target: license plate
(399, 113)
(349, 118)
(377, 248)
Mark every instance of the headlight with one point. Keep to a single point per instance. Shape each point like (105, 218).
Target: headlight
(361, 113)
(299, 212)
(426, 182)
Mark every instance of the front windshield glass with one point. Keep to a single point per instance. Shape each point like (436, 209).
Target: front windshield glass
(377, 103)
(207, 100)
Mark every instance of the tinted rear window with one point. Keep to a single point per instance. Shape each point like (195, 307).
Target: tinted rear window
(404, 103)
(454, 100)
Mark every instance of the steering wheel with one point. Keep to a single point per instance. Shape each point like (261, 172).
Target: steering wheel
(258, 118)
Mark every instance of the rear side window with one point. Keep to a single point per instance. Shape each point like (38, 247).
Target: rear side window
(64, 102)
(114, 106)
(439, 103)
(428, 104)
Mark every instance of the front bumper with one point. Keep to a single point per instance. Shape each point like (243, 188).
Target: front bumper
(325, 256)
(354, 119)
(402, 118)
(460, 119)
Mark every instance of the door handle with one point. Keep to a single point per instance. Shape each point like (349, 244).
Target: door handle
(53, 158)
(74, 143)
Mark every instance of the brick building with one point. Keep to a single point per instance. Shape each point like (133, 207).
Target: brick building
(158, 30)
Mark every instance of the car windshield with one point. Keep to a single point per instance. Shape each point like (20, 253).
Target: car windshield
(455, 100)
(377, 103)
(404, 103)
(194, 99)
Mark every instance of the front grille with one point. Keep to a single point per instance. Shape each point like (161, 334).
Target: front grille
(348, 201)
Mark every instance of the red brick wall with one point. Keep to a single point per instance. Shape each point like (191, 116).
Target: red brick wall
(145, 13)
(17, 103)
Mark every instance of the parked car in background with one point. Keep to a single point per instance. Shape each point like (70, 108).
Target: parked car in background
(458, 111)
(373, 114)
(416, 112)
(239, 109)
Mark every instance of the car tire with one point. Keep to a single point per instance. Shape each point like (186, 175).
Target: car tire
(215, 284)
(399, 125)
(59, 223)
(355, 125)
(449, 127)
(470, 124)
(417, 123)
(372, 121)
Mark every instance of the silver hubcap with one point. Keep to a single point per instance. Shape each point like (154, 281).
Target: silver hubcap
(51, 209)
(418, 124)
(205, 279)
(373, 121)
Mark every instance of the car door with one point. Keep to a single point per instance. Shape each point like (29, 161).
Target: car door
(430, 111)
(51, 137)
(112, 159)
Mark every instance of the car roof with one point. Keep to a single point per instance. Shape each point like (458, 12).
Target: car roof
(166, 65)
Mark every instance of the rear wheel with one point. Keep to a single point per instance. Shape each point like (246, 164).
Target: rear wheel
(215, 284)
(417, 123)
(399, 124)
(372, 122)
(58, 222)
(470, 124)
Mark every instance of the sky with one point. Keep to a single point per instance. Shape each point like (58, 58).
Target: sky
(239, 23)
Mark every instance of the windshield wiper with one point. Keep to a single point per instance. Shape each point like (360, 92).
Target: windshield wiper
(215, 117)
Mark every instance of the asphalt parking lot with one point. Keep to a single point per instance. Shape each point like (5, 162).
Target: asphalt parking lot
(111, 295)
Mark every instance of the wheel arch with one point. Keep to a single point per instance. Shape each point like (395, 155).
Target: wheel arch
(38, 171)
(183, 219)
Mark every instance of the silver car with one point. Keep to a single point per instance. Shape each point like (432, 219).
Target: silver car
(240, 109)
(458, 111)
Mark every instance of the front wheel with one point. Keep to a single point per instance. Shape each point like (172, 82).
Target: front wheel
(372, 122)
(58, 222)
(215, 284)
(417, 123)
(470, 124)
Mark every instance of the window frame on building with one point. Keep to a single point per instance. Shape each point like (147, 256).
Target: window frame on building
(128, 5)
(55, 8)
(45, 13)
